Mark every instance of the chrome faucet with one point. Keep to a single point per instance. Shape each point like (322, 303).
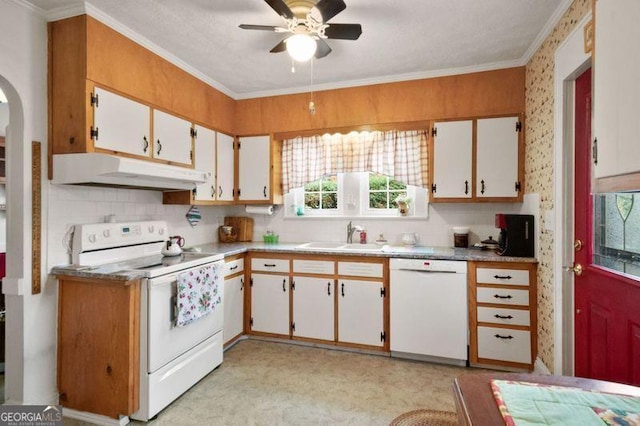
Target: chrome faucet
(350, 230)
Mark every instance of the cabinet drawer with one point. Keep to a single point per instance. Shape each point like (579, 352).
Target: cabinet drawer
(504, 316)
(502, 276)
(503, 296)
(324, 267)
(360, 269)
(233, 267)
(270, 265)
(504, 344)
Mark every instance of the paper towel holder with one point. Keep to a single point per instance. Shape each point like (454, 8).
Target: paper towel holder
(262, 209)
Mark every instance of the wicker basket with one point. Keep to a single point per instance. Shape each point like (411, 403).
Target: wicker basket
(227, 238)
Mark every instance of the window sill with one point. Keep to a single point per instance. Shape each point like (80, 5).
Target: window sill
(309, 217)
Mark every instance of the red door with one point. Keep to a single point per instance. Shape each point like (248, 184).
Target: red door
(607, 303)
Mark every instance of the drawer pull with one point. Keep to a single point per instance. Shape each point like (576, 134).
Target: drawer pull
(497, 296)
(284, 282)
(233, 268)
(503, 316)
(269, 265)
(497, 336)
(502, 277)
(329, 288)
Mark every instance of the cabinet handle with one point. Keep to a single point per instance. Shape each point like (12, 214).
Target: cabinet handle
(284, 288)
(503, 316)
(502, 277)
(269, 265)
(219, 191)
(466, 186)
(264, 191)
(233, 268)
(146, 144)
(342, 289)
(594, 151)
(497, 336)
(482, 186)
(241, 284)
(329, 288)
(497, 296)
(159, 147)
(213, 191)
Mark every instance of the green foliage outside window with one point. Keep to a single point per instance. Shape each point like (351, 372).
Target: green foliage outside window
(383, 191)
(322, 194)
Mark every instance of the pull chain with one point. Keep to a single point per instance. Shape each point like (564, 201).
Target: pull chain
(312, 105)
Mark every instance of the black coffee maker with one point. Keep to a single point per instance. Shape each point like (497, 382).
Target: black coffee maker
(516, 235)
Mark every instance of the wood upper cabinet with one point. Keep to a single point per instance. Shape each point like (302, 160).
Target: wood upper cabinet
(479, 160)
(120, 124)
(616, 98)
(452, 160)
(98, 355)
(225, 156)
(172, 139)
(254, 169)
(205, 160)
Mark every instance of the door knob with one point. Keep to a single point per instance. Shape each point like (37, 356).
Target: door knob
(576, 269)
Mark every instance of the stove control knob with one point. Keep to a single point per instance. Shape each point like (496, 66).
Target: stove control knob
(106, 233)
(161, 231)
(92, 238)
(151, 229)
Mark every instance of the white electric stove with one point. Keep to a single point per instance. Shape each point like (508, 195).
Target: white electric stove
(172, 359)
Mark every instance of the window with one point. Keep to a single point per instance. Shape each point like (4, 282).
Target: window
(356, 194)
(383, 191)
(617, 241)
(322, 194)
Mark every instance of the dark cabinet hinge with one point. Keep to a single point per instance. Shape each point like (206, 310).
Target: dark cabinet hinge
(239, 145)
(383, 336)
(293, 326)
(518, 187)
(251, 282)
(434, 132)
(238, 192)
(433, 188)
(519, 126)
(193, 133)
(94, 100)
(251, 322)
(195, 191)
(233, 192)
(293, 285)
(594, 151)
(191, 155)
(94, 133)
(383, 292)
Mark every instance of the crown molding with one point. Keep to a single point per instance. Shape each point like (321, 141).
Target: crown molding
(385, 79)
(28, 6)
(546, 30)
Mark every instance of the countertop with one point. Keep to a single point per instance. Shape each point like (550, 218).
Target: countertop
(115, 272)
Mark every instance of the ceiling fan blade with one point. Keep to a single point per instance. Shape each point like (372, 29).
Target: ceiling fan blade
(323, 49)
(258, 27)
(281, 8)
(330, 8)
(343, 31)
(280, 47)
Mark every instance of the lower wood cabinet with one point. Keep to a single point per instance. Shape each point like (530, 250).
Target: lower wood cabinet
(313, 308)
(233, 304)
(502, 314)
(360, 312)
(98, 345)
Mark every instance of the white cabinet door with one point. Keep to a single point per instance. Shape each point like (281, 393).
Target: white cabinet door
(360, 312)
(254, 162)
(233, 308)
(171, 138)
(225, 160)
(123, 125)
(453, 144)
(497, 157)
(616, 98)
(270, 303)
(205, 160)
(313, 308)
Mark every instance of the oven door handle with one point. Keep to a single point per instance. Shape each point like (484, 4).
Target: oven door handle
(173, 308)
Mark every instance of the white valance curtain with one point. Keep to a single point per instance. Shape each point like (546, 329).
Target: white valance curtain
(399, 154)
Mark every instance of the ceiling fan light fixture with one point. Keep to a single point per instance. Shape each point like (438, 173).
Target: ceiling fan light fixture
(301, 47)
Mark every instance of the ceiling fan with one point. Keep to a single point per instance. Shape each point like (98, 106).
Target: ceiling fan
(306, 21)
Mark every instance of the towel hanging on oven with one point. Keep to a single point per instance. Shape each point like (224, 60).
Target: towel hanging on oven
(198, 294)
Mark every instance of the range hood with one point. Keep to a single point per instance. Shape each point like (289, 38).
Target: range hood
(110, 170)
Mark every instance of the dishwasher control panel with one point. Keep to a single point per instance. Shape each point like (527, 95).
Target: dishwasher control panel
(429, 265)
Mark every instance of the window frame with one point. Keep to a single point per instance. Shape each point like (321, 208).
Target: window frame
(299, 198)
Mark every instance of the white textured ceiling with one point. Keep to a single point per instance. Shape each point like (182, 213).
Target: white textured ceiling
(401, 39)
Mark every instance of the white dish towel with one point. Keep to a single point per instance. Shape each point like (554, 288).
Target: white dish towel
(198, 294)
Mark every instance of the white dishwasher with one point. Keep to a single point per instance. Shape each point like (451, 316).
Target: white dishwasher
(428, 304)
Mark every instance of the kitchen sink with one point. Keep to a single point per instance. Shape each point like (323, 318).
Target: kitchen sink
(324, 245)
